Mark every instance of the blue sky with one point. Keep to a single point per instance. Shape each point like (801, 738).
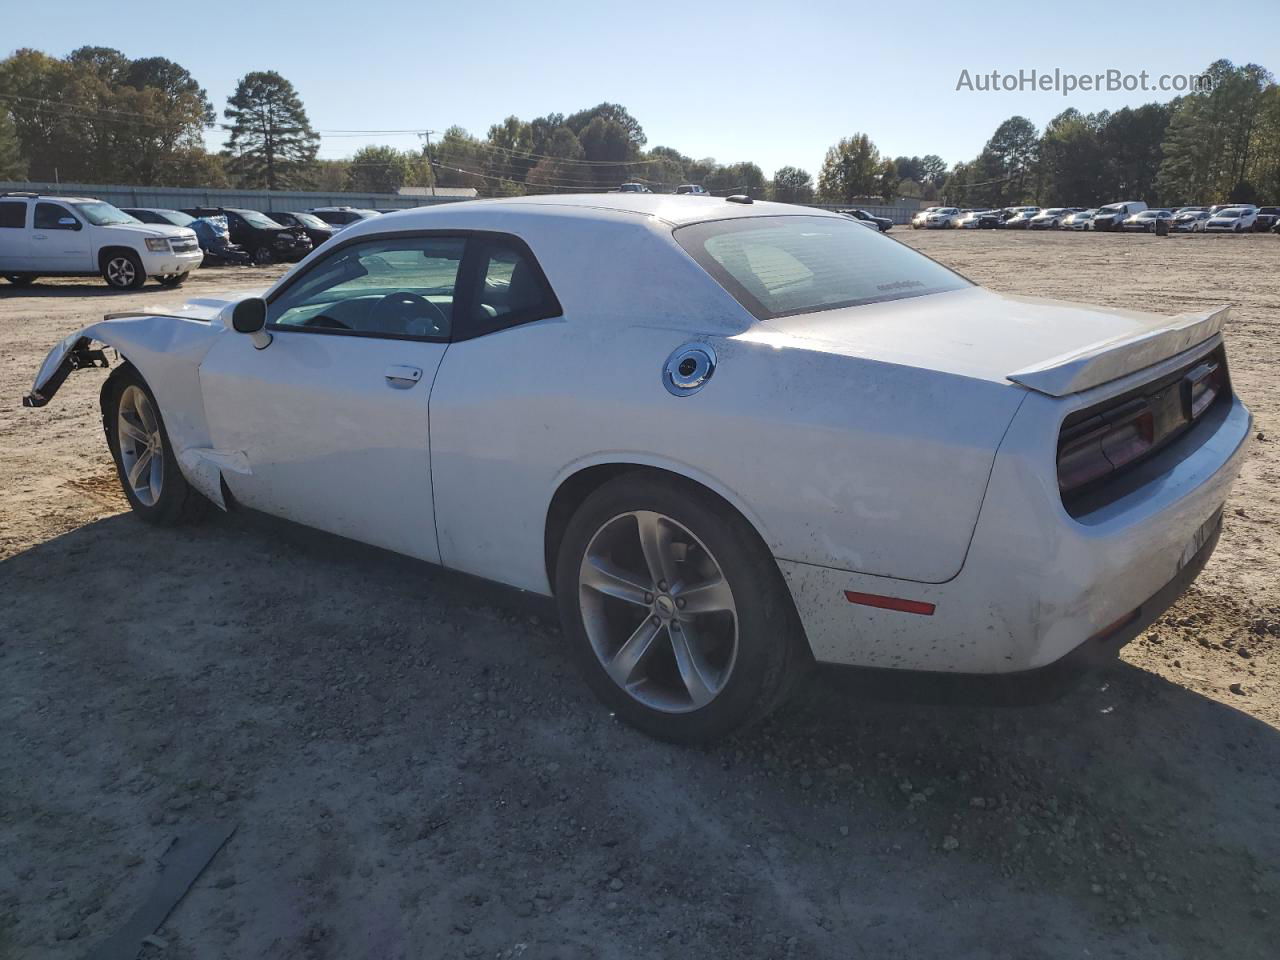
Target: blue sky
(774, 83)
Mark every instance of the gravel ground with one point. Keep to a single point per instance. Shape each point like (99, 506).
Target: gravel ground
(415, 770)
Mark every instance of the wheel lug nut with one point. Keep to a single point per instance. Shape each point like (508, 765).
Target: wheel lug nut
(680, 602)
(662, 585)
(648, 598)
(655, 620)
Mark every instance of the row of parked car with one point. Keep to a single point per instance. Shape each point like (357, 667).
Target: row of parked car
(1131, 215)
(56, 236)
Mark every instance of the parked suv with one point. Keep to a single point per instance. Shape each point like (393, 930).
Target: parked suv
(83, 237)
(266, 240)
(692, 189)
(1268, 217)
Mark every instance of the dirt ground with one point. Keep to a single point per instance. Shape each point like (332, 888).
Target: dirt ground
(415, 770)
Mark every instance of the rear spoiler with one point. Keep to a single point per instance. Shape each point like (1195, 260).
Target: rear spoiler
(1112, 359)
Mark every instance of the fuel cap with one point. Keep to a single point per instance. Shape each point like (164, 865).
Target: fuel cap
(688, 369)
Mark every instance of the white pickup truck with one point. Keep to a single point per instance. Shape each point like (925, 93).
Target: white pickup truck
(80, 237)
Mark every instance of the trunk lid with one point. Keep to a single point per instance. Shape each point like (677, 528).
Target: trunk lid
(1053, 347)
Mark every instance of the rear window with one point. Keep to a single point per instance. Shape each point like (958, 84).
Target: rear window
(779, 266)
(13, 213)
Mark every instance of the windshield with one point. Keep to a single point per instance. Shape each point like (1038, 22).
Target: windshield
(779, 266)
(310, 220)
(104, 214)
(177, 217)
(1233, 212)
(259, 220)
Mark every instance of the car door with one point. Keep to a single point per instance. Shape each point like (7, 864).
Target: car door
(497, 429)
(332, 416)
(59, 241)
(15, 238)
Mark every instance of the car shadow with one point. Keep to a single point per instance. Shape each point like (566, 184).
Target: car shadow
(1131, 815)
(92, 287)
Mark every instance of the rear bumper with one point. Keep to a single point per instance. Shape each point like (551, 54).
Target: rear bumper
(1038, 586)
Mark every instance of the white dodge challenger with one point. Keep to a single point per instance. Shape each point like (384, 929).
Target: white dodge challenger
(731, 438)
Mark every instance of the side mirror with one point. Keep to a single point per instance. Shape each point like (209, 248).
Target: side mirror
(250, 316)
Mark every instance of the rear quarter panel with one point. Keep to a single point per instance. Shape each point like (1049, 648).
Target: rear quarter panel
(837, 461)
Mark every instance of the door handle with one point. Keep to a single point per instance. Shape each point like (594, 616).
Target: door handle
(39, 236)
(402, 377)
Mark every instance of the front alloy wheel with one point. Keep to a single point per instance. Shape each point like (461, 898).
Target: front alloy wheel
(141, 446)
(123, 271)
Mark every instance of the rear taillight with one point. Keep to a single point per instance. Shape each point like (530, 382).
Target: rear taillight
(1093, 448)
(1201, 387)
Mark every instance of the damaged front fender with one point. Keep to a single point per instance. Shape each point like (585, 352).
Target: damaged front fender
(74, 353)
(167, 352)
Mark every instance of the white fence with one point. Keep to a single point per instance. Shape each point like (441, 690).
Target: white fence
(175, 198)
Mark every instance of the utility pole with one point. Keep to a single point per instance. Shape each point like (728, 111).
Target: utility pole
(430, 168)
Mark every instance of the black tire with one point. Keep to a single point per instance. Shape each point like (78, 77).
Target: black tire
(771, 651)
(178, 502)
(262, 257)
(123, 270)
(177, 280)
(21, 279)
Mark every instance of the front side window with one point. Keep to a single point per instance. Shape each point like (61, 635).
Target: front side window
(13, 214)
(50, 215)
(779, 266)
(391, 287)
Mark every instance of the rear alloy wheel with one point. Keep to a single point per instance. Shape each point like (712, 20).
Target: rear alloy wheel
(154, 486)
(21, 279)
(678, 614)
(262, 256)
(123, 271)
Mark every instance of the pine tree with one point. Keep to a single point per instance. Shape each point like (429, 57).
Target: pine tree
(272, 144)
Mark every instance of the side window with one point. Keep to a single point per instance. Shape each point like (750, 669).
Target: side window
(390, 287)
(512, 290)
(13, 213)
(48, 215)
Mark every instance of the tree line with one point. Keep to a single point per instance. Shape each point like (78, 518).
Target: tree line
(96, 116)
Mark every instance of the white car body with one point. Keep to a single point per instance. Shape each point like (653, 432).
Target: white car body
(1234, 219)
(1049, 219)
(57, 238)
(919, 219)
(969, 219)
(905, 448)
(1080, 220)
(1189, 221)
(942, 218)
(1145, 220)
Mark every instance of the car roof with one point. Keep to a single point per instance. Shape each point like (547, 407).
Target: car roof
(596, 206)
(20, 195)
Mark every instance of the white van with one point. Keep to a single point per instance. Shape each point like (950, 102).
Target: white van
(1112, 215)
(82, 237)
